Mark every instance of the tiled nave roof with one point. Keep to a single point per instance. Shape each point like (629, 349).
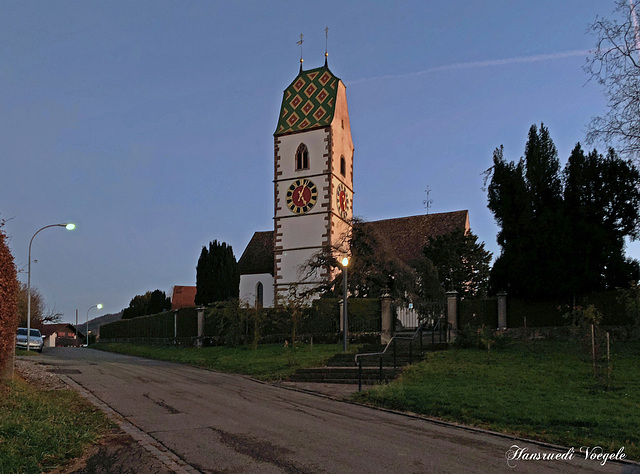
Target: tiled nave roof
(401, 239)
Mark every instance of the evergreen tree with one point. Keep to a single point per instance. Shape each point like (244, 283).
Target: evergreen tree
(158, 302)
(462, 263)
(152, 302)
(602, 196)
(562, 233)
(526, 200)
(217, 274)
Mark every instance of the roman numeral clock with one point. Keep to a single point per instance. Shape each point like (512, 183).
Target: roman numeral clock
(313, 177)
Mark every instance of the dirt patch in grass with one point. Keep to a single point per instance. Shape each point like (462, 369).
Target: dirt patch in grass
(116, 452)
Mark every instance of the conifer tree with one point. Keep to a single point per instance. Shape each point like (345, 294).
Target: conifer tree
(562, 233)
(217, 274)
(462, 263)
(152, 302)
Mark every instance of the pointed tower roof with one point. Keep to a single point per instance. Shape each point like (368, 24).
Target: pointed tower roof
(309, 102)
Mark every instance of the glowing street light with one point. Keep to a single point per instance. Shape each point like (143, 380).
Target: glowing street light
(345, 263)
(99, 306)
(68, 226)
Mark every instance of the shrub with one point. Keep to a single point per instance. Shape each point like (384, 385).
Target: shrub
(8, 306)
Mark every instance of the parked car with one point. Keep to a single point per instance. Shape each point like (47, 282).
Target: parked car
(35, 339)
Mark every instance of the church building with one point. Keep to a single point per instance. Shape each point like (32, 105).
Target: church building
(313, 195)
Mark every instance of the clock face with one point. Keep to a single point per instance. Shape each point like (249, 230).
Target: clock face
(342, 201)
(301, 196)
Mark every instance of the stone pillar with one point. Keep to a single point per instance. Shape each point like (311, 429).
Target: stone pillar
(175, 326)
(502, 310)
(200, 327)
(387, 319)
(452, 308)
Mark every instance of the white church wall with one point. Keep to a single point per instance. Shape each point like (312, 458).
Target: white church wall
(341, 137)
(316, 143)
(248, 286)
(291, 266)
(303, 231)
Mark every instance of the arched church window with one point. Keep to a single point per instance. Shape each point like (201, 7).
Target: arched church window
(343, 167)
(302, 157)
(259, 295)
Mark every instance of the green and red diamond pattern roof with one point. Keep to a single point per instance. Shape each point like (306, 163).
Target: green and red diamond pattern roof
(309, 102)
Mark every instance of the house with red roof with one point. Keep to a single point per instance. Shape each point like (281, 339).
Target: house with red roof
(60, 335)
(183, 297)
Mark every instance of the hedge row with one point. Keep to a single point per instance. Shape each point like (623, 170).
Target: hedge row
(227, 323)
(544, 313)
(154, 326)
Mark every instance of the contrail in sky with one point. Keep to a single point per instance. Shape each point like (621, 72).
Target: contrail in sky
(475, 64)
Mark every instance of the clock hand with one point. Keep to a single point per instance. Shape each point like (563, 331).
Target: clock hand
(301, 198)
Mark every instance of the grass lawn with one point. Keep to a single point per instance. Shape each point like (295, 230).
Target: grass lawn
(267, 362)
(24, 352)
(542, 390)
(40, 430)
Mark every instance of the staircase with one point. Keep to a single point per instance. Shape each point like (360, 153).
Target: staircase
(401, 351)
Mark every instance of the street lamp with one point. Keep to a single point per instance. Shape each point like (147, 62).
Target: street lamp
(345, 263)
(67, 226)
(99, 306)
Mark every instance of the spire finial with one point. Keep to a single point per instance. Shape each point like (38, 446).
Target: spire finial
(299, 43)
(326, 43)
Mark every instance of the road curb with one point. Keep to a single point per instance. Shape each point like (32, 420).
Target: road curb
(159, 451)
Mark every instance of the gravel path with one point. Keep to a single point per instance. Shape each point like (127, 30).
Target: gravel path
(34, 370)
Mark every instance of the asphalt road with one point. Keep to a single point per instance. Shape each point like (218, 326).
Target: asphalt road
(216, 422)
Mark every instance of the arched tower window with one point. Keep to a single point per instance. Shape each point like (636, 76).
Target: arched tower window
(302, 157)
(259, 295)
(343, 167)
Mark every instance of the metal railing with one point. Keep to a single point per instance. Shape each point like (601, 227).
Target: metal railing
(438, 327)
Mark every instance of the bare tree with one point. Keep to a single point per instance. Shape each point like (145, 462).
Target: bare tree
(615, 65)
(40, 313)
(373, 269)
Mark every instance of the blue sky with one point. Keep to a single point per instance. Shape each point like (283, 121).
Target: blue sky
(150, 123)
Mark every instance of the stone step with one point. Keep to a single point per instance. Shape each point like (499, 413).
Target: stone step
(342, 375)
(402, 356)
(374, 361)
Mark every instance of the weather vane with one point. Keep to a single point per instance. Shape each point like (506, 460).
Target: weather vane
(299, 43)
(427, 202)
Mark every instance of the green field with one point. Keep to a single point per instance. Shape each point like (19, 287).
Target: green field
(266, 362)
(542, 390)
(40, 430)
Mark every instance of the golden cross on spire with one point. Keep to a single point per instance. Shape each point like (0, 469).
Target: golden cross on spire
(326, 41)
(299, 43)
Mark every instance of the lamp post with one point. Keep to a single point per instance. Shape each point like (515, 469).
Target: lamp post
(68, 226)
(345, 263)
(99, 306)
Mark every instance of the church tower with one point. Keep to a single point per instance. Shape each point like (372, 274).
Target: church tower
(313, 177)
